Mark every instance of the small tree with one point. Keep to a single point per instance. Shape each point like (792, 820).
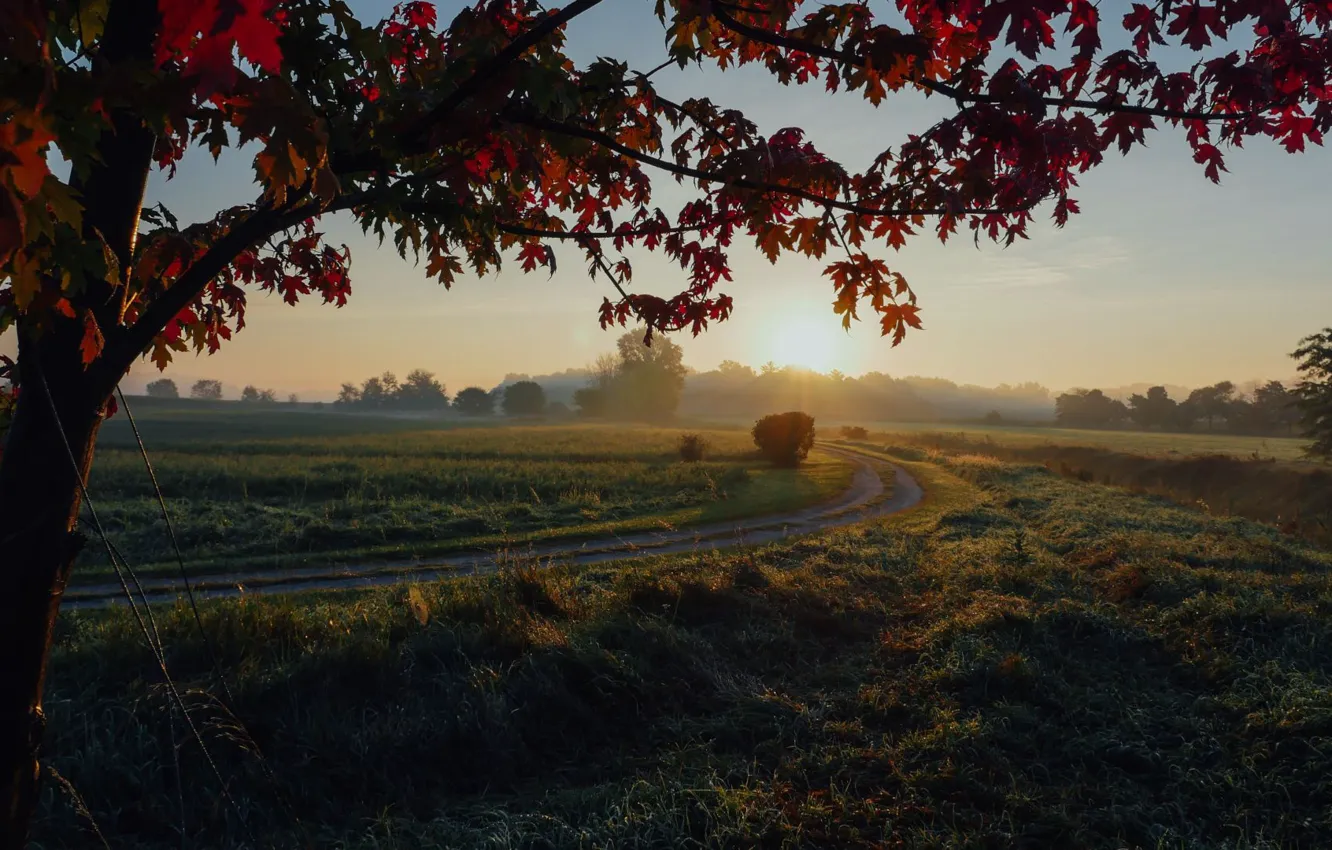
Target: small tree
(206, 390)
(268, 396)
(784, 438)
(854, 432)
(292, 398)
(994, 417)
(474, 401)
(162, 388)
(250, 393)
(693, 447)
(1313, 394)
(525, 398)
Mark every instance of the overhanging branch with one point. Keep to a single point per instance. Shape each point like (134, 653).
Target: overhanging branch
(542, 123)
(777, 39)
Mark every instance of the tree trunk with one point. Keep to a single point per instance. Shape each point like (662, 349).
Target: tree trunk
(39, 507)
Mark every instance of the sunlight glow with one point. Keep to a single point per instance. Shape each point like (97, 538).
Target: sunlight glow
(809, 342)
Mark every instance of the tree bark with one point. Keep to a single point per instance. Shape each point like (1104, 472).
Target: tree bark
(39, 507)
(59, 411)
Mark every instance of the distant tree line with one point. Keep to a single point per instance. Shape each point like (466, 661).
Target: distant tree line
(1271, 409)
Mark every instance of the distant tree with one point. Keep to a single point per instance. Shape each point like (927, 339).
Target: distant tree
(268, 396)
(650, 378)
(420, 391)
(1156, 409)
(855, 432)
(525, 398)
(591, 401)
(162, 388)
(1089, 409)
(1277, 407)
(206, 390)
(994, 417)
(1212, 403)
(1314, 392)
(250, 393)
(373, 393)
(731, 370)
(292, 398)
(474, 401)
(348, 396)
(769, 368)
(784, 438)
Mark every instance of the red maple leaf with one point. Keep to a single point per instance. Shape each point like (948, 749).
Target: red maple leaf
(1197, 23)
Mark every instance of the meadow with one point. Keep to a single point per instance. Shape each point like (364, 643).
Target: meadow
(1024, 660)
(251, 489)
(1295, 497)
(1150, 443)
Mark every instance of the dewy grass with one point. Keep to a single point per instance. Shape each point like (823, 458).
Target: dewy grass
(1023, 660)
(283, 501)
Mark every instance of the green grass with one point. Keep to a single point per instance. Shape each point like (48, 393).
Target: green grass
(273, 496)
(1022, 661)
(1134, 442)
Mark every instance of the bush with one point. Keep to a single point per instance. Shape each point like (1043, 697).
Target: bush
(784, 438)
(854, 432)
(994, 417)
(692, 447)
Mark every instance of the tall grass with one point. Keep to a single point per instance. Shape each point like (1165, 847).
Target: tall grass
(1024, 661)
(1297, 499)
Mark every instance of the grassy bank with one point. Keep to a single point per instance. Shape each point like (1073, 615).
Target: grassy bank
(1296, 498)
(1152, 443)
(279, 501)
(1023, 661)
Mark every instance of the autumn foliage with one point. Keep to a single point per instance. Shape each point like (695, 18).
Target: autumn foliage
(468, 142)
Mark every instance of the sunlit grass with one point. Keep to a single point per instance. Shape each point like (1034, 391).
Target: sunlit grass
(285, 500)
(1024, 660)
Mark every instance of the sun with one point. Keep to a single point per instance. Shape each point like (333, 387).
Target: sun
(814, 342)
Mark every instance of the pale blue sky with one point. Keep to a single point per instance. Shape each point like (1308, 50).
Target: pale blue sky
(1164, 277)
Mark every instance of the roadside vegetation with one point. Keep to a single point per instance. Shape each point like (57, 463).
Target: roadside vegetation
(250, 502)
(1294, 498)
(1025, 660)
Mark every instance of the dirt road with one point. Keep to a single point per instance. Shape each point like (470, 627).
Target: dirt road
(867, 497)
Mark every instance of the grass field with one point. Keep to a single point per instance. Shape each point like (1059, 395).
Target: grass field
(1288, 449)
(254, 489)
(1024, 661)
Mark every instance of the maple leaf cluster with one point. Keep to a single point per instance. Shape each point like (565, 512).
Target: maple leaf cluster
(467, 142)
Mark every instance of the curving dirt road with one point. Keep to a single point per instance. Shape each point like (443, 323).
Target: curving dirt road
(864, 499)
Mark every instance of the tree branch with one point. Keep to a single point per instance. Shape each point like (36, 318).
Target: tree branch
(776, 39)
(542, 123)
(125, 346)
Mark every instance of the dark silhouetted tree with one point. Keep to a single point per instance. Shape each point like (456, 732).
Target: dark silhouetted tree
(1212, 403)
(419, 391)
(1089, 409)
(525, 398)
(1314, 392)
(1156, 409)
(474, 401)
(162, 388)
(206, 390)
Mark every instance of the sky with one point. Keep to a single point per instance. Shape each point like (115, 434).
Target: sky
(1164, 277)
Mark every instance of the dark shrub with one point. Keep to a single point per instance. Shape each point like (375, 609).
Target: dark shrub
(692, 447)
(854, 432)
(994, 417)
(784, 438)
